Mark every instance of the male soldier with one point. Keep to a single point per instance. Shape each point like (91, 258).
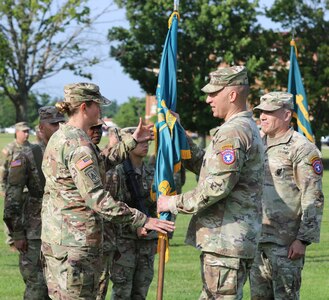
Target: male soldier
(226, 204)
(132, 266)
(20, 143)
(292, 202)
(23, 215)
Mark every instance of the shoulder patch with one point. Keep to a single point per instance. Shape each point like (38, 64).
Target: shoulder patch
(227, 146)
(84, 162)
(317, 165)
(16, 163)
(228, 156)
(92, 174)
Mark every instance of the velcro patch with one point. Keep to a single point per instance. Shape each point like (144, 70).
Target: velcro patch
(84, 163)
(228, 156)
(92, 174)
(16, 163)
(227, 146)
(317, 166)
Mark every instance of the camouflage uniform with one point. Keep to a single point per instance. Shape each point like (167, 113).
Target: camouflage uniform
(23, 217)
(7, 156)
(23, 214)
(226, 204)
(292, 208)
(132, 267)
(74, 206)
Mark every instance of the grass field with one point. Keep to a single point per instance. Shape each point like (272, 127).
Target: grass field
(182, 274)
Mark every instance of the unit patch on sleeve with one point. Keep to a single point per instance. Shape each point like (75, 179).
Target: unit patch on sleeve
(92, 174)
(228, 156)
(84, 162)
(317, 165)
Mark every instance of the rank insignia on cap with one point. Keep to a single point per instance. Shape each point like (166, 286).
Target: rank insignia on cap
(84, 162)
(228, 156)
(16, 163)
(317, 166)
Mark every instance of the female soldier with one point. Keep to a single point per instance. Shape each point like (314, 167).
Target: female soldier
(75, 201)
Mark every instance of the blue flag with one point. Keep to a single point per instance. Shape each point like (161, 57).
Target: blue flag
(170, 140)
(295, 87)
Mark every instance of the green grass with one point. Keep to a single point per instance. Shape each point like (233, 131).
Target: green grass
(182, 272)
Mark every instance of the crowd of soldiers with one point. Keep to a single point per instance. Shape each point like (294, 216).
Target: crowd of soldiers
(81, 216)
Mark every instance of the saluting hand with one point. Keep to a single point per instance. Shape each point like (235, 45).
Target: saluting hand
(143, 133)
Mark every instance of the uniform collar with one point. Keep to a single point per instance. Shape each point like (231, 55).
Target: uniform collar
(284, 139)
(243, 114)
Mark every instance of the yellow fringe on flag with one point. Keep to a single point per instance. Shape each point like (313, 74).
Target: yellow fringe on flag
(172, 16)
(293, 43)
(186, 154)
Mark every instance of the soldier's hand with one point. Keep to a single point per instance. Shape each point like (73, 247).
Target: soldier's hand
(21, 245)
(141, 232)
(162, 226)
(163, 203)
(143, 133)
(296, 250)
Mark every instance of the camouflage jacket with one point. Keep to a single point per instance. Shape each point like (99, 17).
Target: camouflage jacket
(227, 200)
(22, 213)
(117, 184)
(75, 201)
(292, 197)
(7, 156)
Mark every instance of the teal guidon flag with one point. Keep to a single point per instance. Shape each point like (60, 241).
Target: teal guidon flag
(295, 87)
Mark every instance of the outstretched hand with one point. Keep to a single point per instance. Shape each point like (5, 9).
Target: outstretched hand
(162, 226)
(163, 204)
(143, 133)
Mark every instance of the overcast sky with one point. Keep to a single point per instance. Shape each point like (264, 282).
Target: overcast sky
(113, 82)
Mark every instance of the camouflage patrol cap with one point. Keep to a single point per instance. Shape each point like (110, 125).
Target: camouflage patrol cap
(80, 92)
(222, 77)
(50, 114)
(127, 130)
(21, 126)
(276, 100)
(100, 122)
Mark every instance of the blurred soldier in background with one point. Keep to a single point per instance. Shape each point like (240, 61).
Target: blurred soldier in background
(132, 266)
(23, 214)
(22, 132)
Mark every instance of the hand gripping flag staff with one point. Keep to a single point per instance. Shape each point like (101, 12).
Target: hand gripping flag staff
(295, 87)
(170, 141)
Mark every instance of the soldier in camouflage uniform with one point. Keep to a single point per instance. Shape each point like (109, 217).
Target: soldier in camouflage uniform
(226, 204)
(23, 214)
(132, 267)
(20, 143)
(75, 201)
(292, 202)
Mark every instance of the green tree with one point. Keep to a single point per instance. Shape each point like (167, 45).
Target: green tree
(309, 20)
(210, 33)
(129, 113)
(37, 40)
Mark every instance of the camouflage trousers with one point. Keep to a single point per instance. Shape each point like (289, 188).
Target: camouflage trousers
(273, 275)
(31, 270)
(105, 275)
(223, 277)
(72, 272)
(132, 268)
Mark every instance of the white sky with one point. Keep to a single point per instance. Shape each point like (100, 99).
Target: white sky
(109, 75)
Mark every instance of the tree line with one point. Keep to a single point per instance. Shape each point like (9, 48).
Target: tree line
(37, 40)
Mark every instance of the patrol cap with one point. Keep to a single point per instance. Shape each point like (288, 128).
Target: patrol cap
(276, 100)
(21, 126)
(127, 130)
(100, 122)
(80, 92)
(50, 114)
(222, 77)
